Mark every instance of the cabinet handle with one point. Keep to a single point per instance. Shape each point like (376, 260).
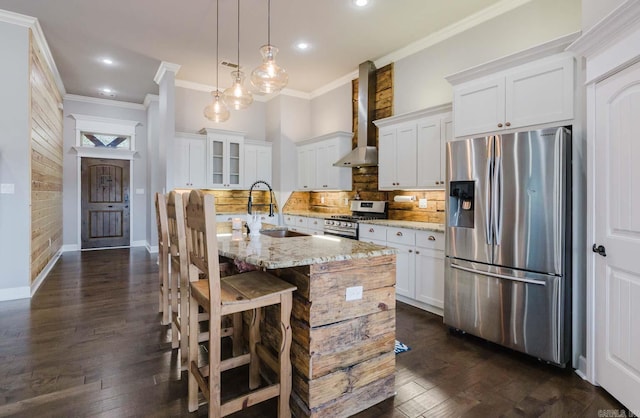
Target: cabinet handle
(371, 230)
(410, 251)
(499, 125)
(399, 233)
(432, 238)
(417, 252)
(508, 124)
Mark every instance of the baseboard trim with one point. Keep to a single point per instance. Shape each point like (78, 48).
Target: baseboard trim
(13, 293)
(152, 249)
(70, 247)
(140, 243)
(45, 272)
(420, 305)
(582, 368)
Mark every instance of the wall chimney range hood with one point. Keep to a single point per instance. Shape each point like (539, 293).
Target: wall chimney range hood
(365, 154)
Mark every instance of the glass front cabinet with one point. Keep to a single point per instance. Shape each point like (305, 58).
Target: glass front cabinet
(224, 159)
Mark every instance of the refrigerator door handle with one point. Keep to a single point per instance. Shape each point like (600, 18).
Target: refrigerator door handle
(499, 276)
(497, 195)
(488, 226)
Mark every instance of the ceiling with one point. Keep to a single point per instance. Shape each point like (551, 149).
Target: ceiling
(138, 35)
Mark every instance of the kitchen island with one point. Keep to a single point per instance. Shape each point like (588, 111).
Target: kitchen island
(343, 317)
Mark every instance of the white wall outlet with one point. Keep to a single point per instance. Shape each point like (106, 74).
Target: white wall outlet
(139, 191)
(422, 203)
(354, 293)
(322, 200)
(7, 188)
(346, 201)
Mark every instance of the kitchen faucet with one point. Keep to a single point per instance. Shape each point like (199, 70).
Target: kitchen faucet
(250, 202)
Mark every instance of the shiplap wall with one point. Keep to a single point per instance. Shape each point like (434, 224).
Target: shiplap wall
(46, 163)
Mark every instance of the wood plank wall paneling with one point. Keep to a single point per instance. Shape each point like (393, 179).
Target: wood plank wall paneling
(46, 163)
(365, 179)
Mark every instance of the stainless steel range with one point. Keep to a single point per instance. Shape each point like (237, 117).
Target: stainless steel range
(346, 226)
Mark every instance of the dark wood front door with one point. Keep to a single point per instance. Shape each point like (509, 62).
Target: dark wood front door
(105, 203)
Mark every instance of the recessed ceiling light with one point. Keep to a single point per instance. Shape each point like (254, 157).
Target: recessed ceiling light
(360, 3)
(107, 61)
(302, 46)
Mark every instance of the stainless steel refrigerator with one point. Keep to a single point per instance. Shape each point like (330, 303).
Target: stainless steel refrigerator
(507, 271)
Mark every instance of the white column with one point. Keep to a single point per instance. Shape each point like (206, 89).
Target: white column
(151, 103)
(166, 80)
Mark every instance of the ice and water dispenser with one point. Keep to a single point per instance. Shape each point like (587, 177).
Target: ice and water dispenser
(461, 203)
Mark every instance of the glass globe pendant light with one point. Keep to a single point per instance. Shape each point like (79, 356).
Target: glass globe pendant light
(237, 96)
(217, 110)
(269, 77)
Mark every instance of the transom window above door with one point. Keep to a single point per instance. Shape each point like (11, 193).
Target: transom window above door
(90, 139)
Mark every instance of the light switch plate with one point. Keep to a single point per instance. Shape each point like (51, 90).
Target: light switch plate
(354, 293)
(7, 188)
(422, 203)
(139, 191)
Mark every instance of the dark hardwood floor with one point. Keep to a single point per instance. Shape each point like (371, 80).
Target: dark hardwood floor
(90, 343)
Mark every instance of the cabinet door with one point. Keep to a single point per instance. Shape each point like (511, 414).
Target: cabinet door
(429, 153)
(540, 93)
(405, 270)
(234, 154)
(406, 157)
(430, 276)
(326, 175)
(306, 167)
(479, 106)
(179, 164)
(387, 158)
(197, 164)
(217, 163)
(257, 164)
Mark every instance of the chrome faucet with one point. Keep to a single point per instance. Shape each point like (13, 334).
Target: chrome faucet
(250, 202)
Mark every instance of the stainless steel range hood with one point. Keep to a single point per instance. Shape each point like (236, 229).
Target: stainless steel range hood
(365, 154)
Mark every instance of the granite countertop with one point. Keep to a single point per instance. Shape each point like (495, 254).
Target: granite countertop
(272, 253)
(421, 226)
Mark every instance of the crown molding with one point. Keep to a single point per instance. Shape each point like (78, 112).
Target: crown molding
(452, 30)
(334, 84)
(555, 46)
(104, 102)
(100, 119)
(163, 68)
(149, 98)
(190, 85)
(612, 27)
(411, 116)
(33, 24)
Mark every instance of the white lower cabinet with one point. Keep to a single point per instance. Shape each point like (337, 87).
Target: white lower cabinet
(419, 263)
(304, 224)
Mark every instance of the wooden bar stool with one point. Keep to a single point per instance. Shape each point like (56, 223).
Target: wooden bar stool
(179, 273)
(163, 258)
(223, 296)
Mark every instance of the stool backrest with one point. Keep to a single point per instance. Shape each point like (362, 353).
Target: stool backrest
(176, 203)
(202, 243)
(161, 220)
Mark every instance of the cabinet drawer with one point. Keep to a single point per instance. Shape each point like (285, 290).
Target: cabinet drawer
(301, 221)
(289, 220)
(315, 223)
(401, 236)
(372, 232)
(428, 239)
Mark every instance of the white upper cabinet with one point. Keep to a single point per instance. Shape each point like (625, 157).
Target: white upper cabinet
(315, 162)
(257, 162)
(411, 149)
(225, 158)
(186, 167)
(535, 93)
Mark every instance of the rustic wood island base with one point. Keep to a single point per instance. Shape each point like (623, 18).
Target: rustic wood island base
(343, 350)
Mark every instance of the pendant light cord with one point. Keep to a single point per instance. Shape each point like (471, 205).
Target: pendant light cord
(269, 22)
(217, 41)
(238, 35)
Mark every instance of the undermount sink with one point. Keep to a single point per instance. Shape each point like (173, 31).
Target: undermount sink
(282, 233)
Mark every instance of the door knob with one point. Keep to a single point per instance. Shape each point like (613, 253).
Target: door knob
(599, 249)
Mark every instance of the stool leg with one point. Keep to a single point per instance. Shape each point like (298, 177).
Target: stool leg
(237, 334)
(286, 302)
(184, 325)
(254, 339)
(174, 279)
(193, 354)
(166, 311)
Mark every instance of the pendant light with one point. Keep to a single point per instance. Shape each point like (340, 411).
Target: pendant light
(269, 77)
(237, 96)
(217, 110)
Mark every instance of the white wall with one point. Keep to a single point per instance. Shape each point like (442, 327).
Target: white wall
(71, 171)
(15, 213)
(331, 111)
(190, 118)
(419, 78)
(594, 10)
(154, 178)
